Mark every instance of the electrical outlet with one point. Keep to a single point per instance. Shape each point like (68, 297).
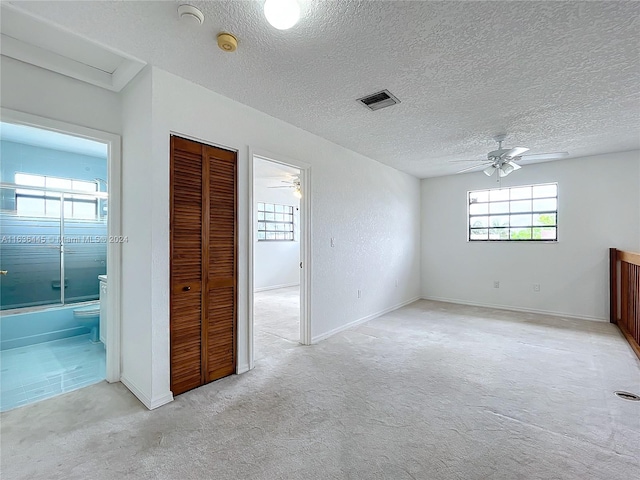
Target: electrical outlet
(359, 293)
(496, 284)
(536, 287)
(397, 283)
(333, 242)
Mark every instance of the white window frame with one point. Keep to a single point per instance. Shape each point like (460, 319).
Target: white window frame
(509, 199)
(282, 227)
(47, 193)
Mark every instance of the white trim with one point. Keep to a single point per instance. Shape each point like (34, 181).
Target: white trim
(305, 244)
(250, 259)
(275, 287)
(150, 403)
(330, 333)
(23, 51)
(515, 309)
(176, 133)
(114, 225)
(242, 368)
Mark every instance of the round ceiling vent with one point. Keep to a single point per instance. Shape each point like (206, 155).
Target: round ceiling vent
(227, 42)
(190, 14)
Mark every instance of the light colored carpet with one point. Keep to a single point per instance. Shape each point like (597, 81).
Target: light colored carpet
(276, 318)
(431, 391)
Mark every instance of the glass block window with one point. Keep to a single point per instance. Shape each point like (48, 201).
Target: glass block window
(275, 222)
(524, 213)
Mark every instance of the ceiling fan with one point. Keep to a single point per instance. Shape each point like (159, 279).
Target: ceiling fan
(503, 160)
(293, 183)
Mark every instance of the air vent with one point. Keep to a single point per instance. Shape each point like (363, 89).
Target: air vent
(379, 100)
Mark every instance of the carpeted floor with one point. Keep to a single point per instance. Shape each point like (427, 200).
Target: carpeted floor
(276, 316)
(431, 391)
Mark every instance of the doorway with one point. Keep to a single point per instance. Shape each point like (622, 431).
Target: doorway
(279, 247)
(60, 249)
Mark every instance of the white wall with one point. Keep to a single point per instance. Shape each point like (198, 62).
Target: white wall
(37, 91)
(599, 208)
(138, 329)
(276, 264)
(372, 210)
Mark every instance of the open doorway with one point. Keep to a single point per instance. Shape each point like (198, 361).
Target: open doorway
(58, 249)
(278, 251)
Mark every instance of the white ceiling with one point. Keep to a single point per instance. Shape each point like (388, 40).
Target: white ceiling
(39, 137)
(272, 174)
(555, 76)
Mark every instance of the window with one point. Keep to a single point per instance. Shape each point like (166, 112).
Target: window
(46, 203)
(275, 222)
(523, 213)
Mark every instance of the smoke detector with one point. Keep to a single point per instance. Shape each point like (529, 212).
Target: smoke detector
(379, 100)
(191, 15)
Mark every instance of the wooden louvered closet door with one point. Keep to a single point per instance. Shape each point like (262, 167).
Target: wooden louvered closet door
(203, 264)
(221, 288)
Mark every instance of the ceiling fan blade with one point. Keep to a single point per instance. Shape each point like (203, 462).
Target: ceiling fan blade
(545, 156)
(288, 186)
(460, 161)
(514, 152)
(475, 166)
(515, 165)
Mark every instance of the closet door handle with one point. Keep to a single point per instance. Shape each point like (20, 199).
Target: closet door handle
(186, 289)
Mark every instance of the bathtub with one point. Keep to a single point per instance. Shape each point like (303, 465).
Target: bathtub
(37, 325)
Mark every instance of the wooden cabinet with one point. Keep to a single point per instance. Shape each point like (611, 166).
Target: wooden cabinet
(203, 263)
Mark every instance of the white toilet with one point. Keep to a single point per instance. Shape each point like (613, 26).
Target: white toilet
(89, 317)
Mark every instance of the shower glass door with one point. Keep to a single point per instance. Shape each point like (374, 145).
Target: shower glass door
(30, 252)
(84, 243)
(53, 241)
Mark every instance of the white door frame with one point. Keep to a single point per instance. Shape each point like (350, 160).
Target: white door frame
(114, 248)
(305, 244)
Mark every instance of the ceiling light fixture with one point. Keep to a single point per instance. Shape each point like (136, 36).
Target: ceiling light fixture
(297, 192)
(190, 14)
(503, 169)
(282, 14)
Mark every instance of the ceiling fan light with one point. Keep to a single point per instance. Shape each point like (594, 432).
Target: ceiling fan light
(297, 193)
(489, 170)
(505, 170)
(282, 14)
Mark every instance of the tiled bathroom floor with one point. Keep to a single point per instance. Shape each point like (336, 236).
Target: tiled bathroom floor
(33, 373)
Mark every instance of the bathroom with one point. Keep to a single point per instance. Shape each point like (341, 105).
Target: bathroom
(53, 263)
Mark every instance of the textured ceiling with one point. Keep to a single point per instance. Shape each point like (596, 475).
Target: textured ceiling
(272, 173)
(555, 76)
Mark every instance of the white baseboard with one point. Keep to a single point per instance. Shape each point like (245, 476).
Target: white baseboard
(161, 400)
(275, 287)
(515, 309)
(150, 403)
(240, 369)
(346, 326)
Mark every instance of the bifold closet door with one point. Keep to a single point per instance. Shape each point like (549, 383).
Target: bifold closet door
(222, 253)
(203, 264)
(186, 265)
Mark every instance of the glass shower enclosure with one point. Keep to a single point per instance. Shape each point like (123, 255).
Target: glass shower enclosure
(52, 240)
